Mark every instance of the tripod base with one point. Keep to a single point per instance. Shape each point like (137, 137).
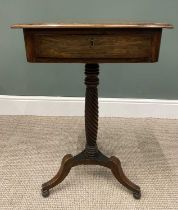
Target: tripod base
(91, 155)
(112, 163)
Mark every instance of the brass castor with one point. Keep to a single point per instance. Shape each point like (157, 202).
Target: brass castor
(137, 195)
(45, 193)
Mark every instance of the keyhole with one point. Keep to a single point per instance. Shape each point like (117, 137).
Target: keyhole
(92, 42)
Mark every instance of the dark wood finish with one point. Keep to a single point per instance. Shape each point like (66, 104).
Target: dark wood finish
(92, 43)
(91, 155)
(113, 163)
(91, 46)
(91, 109)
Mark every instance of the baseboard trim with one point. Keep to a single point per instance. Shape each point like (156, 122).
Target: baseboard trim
(74, 106)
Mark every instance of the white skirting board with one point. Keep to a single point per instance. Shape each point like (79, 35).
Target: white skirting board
(74, 106)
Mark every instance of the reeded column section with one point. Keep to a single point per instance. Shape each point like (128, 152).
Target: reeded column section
(91, 109)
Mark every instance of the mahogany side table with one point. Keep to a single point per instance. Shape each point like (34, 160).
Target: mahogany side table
(92, 43)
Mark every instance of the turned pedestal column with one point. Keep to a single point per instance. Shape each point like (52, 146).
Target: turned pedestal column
(91, 154)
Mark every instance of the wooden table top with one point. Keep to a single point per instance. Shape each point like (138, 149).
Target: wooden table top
(94, 23)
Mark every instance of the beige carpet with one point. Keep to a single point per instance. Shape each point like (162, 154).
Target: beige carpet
(31, 149)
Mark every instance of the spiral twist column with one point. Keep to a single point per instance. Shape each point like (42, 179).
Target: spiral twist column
(91, 155)
(91, 109)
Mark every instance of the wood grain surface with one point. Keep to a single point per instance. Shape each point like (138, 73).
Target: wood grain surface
(94, 23)
(92, 45)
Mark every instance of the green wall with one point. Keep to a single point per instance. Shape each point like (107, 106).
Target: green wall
(17, 77)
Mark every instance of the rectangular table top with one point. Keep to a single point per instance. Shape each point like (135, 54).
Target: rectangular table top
(94, 23)
(93, 41)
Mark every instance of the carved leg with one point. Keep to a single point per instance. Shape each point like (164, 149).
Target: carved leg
(120, 176)
(66, 165)
(91, 155)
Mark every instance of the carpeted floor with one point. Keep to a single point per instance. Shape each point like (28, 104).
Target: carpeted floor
(31, 149)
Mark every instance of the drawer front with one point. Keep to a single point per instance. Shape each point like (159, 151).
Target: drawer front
(93, 46)
(84, 46)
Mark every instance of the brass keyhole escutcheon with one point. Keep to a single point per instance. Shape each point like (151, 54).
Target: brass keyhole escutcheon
(92, 42)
